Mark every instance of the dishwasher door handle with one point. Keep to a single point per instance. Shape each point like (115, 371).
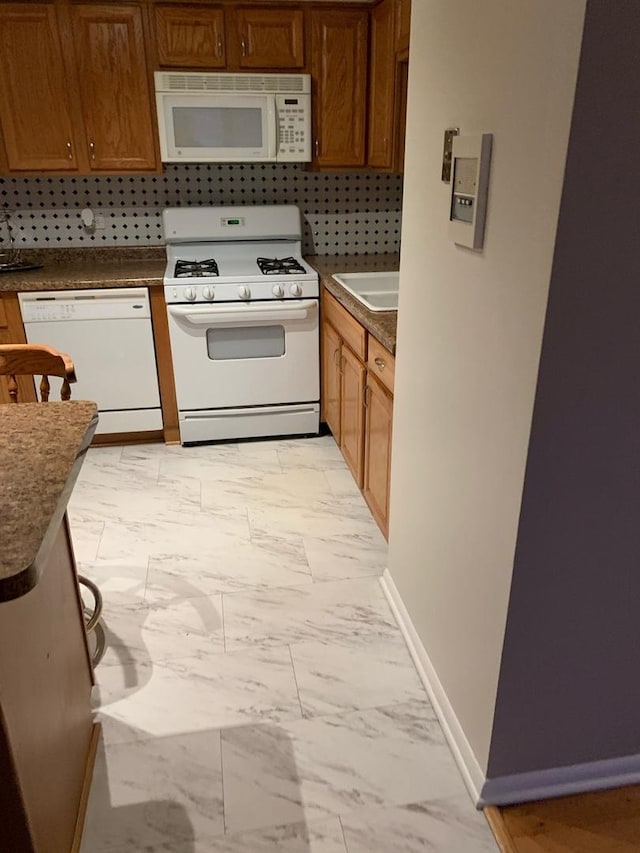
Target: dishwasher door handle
(235, 315)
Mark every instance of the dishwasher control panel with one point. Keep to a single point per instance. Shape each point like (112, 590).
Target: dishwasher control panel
(102, 304)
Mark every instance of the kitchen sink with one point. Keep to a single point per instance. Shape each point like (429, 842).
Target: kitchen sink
(378, 291)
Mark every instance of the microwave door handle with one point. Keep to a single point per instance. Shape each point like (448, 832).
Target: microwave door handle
(298, 310)
(272, 128)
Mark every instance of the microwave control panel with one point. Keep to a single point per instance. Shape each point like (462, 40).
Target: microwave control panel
(294, 128)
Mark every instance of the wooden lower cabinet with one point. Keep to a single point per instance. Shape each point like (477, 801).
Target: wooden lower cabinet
(331, 379)
(377, 455)
(352, 412)
(357, 403)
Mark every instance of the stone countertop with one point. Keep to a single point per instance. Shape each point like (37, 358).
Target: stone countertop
(381, 324)
(77, 269)
(42, 447)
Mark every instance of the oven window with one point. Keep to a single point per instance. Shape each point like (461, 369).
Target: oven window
(217, 127)
(245, 342)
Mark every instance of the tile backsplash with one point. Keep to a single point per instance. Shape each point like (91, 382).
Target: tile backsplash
(343, 213)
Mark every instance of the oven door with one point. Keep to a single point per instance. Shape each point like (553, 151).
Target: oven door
(245, 354)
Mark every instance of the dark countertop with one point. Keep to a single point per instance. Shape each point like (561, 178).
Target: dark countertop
(381, 324)
(42, 447)
(77, 269)
(88, 268)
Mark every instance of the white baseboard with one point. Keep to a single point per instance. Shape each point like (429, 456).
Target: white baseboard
(467, 763)
(519, 787)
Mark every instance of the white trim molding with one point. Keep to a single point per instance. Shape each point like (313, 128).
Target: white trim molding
(518, 787)
(465, 758)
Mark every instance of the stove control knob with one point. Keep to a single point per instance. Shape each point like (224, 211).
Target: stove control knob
(190, 294)
(244, 292)
(207, 293)
(278, 290)
(296, 290)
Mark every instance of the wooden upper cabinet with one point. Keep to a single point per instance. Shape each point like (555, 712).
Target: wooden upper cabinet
(339, 70)
(269, 37)
(35, 110)
(114, 87)
(190, 36)
(382, 63)
(402, 25)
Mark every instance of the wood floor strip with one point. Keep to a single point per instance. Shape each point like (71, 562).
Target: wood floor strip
(500, 831)
(597, 822)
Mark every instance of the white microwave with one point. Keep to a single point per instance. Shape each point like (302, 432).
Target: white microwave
(233, 118)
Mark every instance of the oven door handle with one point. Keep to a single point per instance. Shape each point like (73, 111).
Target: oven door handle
(229, 315)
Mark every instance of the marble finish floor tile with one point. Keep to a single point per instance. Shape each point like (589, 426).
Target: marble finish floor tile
(175, 534)
(122, 581)
(177, 628)
(256, 695)
(439, 826)
(342, 611)
(315, 837)
(126, 502)
(346, 556)
(263, 562)
(314, 769)
(161, 791)
(85, 536)
(200, 692)
(337, 677)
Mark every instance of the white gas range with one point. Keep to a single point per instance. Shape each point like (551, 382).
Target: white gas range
(243, 311)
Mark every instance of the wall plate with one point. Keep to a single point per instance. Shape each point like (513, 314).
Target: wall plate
(447, 151)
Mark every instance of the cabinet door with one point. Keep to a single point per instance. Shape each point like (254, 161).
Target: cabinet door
(403, 24)
(35, 109)
(190, 36)
(114, 87)
(377, 455)
(382, 63)
(269, 37)
(339, 69)
(352, 413)
(331, 379)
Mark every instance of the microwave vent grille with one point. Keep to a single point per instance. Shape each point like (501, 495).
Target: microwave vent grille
(181, 82)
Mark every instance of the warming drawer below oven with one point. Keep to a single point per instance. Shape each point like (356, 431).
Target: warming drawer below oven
(257, 422)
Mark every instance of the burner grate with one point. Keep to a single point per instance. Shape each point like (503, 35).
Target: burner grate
(189, 269)
(279, 266)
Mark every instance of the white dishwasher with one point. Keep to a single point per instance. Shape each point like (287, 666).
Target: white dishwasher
(109, 337)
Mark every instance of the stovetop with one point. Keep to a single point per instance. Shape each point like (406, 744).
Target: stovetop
(226, 254)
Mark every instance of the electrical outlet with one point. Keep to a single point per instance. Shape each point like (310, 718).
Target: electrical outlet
(98, 222)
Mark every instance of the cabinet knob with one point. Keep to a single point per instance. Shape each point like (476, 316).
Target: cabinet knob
(379, 363)
(92, 150)
(243, 46)
(69, 151)
(317, 148)
(220, 46)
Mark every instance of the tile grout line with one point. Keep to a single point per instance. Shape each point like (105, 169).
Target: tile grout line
(295, 678)
(224, 630)
(344, 838)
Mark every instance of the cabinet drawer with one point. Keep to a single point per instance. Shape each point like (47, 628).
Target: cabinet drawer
(381, 363)
(345, 325)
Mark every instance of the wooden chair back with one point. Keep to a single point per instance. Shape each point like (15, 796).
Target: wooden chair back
(36, 360)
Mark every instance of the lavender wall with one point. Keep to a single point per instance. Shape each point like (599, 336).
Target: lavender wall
(569, 687)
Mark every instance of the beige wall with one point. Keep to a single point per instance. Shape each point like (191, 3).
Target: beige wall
(470, 325)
